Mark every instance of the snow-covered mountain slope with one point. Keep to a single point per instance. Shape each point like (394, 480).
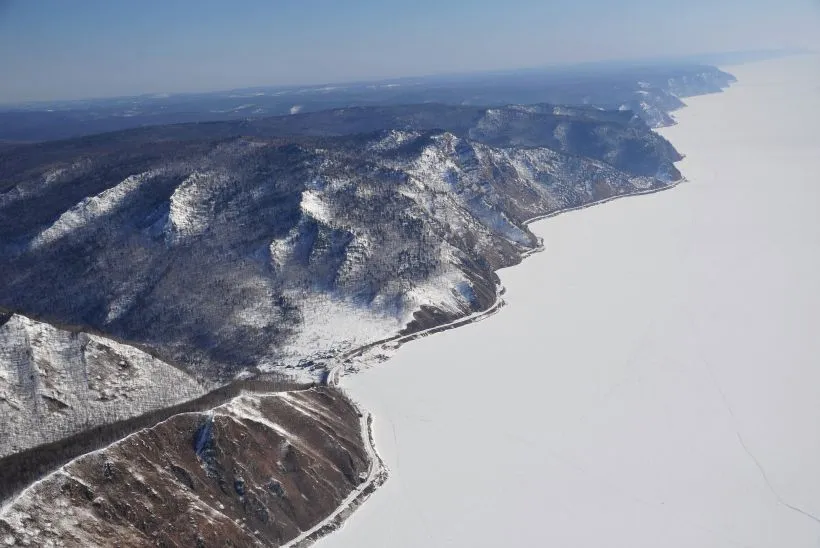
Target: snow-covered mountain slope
(56, 383)
(228, 254)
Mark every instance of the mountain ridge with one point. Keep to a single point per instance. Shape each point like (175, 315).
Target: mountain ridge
(282, 247)
(457, 204)
(652, 92)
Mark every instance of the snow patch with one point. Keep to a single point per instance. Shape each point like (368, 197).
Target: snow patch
(91, 209)
(313, 206)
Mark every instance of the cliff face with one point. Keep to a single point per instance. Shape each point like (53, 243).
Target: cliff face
(56, 383)
(229, 253)
(256, 471)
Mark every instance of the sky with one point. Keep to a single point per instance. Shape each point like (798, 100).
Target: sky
(55, 49)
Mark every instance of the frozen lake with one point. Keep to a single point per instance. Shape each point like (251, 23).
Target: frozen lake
(655, 379)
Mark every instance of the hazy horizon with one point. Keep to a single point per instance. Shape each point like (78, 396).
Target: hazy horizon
(62, 51)
(713, 58)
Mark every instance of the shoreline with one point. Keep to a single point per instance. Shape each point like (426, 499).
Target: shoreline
(665, 186)
(63, 452)
(335, 374)
(648, 417)
(377, 475)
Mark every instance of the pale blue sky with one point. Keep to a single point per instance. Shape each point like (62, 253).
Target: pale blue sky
(61, 49)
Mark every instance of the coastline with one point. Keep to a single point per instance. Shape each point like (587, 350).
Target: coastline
(716, 534)
(64, 451)
(378, 472)
(334, 376)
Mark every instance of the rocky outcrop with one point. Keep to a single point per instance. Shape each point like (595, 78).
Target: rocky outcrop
(256, 471)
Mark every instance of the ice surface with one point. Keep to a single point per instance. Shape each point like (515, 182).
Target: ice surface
(653, 381)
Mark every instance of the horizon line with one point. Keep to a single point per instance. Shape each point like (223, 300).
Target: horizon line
(695, 58)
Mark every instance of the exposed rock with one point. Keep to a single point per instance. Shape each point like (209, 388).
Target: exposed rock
(256, 471)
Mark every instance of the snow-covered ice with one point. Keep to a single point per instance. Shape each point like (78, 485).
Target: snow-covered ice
(654, 379)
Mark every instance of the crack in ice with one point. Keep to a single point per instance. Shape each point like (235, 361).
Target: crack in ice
(758, 465)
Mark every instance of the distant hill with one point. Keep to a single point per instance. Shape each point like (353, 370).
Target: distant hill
(650, 90)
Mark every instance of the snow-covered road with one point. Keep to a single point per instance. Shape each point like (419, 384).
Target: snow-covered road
(654, 379)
